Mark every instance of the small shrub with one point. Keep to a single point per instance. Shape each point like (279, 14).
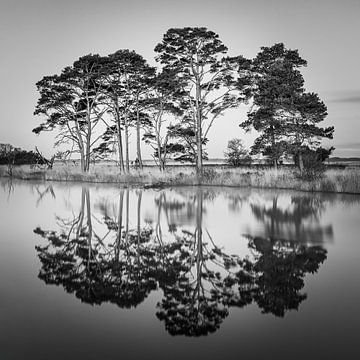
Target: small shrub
(313, 164)
(236, 153)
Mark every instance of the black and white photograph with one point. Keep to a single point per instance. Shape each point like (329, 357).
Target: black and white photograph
(179, 179)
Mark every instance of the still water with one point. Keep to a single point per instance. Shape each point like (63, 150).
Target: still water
(101, 272)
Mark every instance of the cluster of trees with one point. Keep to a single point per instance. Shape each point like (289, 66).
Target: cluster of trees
(100, 100)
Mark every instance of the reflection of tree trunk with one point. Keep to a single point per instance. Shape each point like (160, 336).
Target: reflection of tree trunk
(199, 244)
(273, 220)
(199, 210)
(297, 222)
(127, 217)
(138, 215)
(118, 240)
(81, 212)
(158, 221)
(78, 224)
(89, 223)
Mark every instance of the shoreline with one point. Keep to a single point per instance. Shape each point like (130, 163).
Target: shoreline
(334, 180)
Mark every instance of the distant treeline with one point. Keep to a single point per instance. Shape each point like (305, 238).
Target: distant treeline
(338, 159)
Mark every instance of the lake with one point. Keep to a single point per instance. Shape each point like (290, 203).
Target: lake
(102, 272)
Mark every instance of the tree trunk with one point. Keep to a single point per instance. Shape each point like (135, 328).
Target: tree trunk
(275, 164)
(273, 143)
(127, 161)
(119, 138)
(82, 161)
(88, 139)
(138, 147)
(199, 169)
(80, 144)
(301, 163)
(160, 156)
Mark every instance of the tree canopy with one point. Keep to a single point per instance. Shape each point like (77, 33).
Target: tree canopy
(284, 114)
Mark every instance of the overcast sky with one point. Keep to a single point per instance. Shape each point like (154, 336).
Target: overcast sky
(41, 37)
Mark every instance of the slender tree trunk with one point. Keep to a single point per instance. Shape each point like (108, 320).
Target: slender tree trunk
(127, 161)
(199, 164)
(80, 144)
(119, 138)
(273, 143)
(126, 127)
(138, 143)
(87, 159)
(88, 138)
(301, 163)
(161, 165)
(82, 161)
(275, 164)
(87, 154)
(161, 155)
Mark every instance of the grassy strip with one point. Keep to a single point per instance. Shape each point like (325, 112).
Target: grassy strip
(335, 181)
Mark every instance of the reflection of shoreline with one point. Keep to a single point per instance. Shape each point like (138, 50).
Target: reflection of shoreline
(101, 258)
(298, 220)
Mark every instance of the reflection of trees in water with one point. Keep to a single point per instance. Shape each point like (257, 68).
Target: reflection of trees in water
(8, 186)
(97, 269)
(275, 277)
(198, 279)
(192, 304)
(174, 210)
(300, 221)
(236, 199)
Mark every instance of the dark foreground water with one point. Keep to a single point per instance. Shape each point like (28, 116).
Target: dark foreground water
(98, 272)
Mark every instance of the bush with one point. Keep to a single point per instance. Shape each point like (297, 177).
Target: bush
(313, 164)
(236, 153)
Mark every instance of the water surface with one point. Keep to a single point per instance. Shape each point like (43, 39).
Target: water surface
(98, 271)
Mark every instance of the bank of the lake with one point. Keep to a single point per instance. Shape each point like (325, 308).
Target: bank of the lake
(334, 180)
